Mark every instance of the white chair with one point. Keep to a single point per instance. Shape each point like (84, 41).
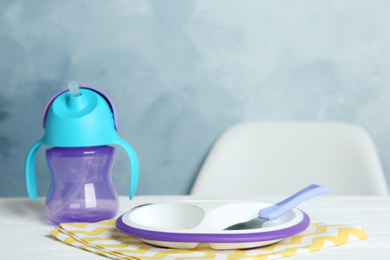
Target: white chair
(281, 157)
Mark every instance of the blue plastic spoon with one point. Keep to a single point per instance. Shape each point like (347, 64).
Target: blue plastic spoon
(277, 210)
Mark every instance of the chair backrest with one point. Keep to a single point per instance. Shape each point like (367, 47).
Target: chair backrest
(280, 157)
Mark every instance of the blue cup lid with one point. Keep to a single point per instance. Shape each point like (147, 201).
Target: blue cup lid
(107, 98)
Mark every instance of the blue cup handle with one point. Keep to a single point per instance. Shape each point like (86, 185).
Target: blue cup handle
(134, 167)
(29, 170)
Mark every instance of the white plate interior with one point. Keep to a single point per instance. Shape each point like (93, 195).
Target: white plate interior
(167, 216)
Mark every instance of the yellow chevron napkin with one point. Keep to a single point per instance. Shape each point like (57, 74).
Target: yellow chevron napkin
(105, 239)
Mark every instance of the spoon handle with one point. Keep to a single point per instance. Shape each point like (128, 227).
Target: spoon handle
(275, 211)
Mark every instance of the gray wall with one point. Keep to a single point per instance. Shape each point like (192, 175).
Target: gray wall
(180, 72)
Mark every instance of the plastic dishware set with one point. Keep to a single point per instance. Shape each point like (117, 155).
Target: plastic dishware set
(185, 224)
(80, 124)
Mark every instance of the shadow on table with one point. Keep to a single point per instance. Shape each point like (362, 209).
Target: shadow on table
(34, 209)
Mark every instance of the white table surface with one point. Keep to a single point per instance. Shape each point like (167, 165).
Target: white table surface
(24, 232)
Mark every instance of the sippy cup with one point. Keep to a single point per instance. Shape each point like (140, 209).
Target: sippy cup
(80, 124)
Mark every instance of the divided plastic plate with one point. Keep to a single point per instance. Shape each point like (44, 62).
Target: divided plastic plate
(186, 224)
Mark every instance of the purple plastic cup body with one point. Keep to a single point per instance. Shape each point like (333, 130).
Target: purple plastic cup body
(81, 188)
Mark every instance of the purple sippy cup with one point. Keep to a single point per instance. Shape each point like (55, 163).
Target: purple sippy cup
(79, 125)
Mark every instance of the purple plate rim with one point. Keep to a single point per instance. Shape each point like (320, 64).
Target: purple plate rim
(213, 237)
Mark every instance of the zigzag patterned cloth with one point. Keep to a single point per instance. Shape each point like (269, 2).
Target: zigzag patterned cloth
(105, 239)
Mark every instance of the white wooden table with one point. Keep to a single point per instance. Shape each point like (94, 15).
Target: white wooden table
(24, 228)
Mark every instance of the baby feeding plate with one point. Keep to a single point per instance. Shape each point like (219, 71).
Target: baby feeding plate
(186, 224)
